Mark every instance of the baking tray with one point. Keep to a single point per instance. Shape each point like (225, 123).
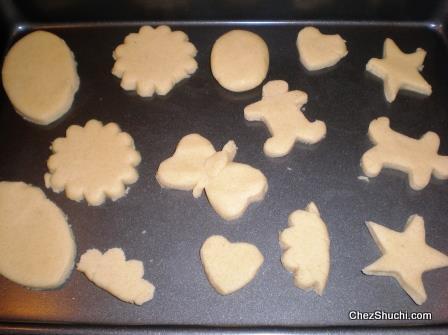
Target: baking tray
(345, 97)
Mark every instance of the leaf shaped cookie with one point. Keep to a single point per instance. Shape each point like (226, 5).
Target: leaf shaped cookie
(229, 266)
(306, 246)
(230, 187)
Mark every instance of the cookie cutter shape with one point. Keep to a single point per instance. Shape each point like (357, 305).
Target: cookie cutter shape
(239, 60)
(399, 70)
(393, 150)
(279, 109)
(306, 249)
(405, 256)
(154, 60)
(120, 277)
(37, 247)
(317, 50)
(93, 162)
(230, 187)
(40, 78)
(229, 266)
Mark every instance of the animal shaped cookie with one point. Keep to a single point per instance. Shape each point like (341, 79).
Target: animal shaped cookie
(317, 50)
(120, 277)
(393, 150)
(399, 70)
(229, 266)
(279, 109)
(230, 186)
(405, 256)
(306, 249)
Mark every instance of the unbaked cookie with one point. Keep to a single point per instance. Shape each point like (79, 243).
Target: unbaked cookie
(39, 76)
(405, 256)
(229, 266)
(195, 165)
(36, 244)
(93, 162)
(306, 249)
(154, 60)
(393, 150)
(113, 273)
(280, 110)
(399, 70)
(239, 60)
(317, 50)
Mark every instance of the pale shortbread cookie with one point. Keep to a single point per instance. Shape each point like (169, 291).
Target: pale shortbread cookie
(399, 70)
(306, 249)
(417, 158)
(93, 162)
(317, 50)
(195, 165)
(280, 110)
(39, 76)
(405, 256)
(239, 60)
(36, 244)
(229, 266)
(154, 60)
(113, 273)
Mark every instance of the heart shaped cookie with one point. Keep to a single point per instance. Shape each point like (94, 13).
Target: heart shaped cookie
(229, 266)
(317, 50)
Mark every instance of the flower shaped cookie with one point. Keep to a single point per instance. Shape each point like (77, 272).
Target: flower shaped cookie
(93, 162)
(154, 60)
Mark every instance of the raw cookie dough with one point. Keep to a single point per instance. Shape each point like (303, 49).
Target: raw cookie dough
(306, 249)
(113, 273)
(154, 60)
(279, 109)
(39, 76)
(93, 162)
(405, 256)
(229, 266)
(399, 70)
(36, 244)
(195, 165)
(393, 150)
(317, 50)
(239, 60)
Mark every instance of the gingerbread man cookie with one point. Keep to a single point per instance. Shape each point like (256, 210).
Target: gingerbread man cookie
(279, 109)
(393, 150)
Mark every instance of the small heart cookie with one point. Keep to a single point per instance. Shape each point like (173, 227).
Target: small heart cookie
(317, 50)
(229, 266)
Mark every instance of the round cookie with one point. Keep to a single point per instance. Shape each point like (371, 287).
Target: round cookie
(39, 76)
(240, 60)
(36, 244)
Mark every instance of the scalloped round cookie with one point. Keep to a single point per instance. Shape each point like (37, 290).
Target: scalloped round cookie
(240, 60)
(36, 244)
(39, 76)
(93, 162)
(154, 60)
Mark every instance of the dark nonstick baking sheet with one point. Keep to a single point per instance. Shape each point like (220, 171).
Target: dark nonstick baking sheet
(166, 228)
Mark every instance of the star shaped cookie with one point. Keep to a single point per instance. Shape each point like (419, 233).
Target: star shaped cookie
(399, 70)
(406, 256)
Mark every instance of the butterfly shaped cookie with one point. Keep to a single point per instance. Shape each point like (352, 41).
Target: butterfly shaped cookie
(196, 166)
